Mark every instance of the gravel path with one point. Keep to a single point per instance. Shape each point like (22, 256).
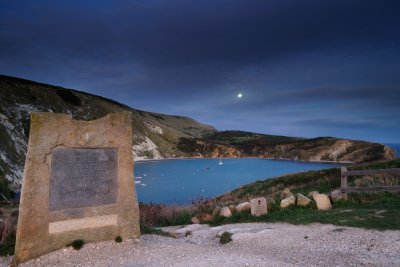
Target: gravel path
(254, 244)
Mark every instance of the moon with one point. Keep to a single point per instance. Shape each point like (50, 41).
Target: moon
(240, 95)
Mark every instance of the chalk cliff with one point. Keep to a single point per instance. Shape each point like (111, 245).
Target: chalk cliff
(154, 135)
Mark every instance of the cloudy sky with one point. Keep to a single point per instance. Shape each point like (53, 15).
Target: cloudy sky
(305, 68)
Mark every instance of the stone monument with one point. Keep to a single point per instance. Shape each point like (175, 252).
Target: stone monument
(258, 206)
(78, 183)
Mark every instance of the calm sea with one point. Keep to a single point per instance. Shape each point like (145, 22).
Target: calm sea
(181, 181)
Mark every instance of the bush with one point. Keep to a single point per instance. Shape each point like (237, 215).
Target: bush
(225, 238)
(155, 215)
(118, 239)
(77, 244)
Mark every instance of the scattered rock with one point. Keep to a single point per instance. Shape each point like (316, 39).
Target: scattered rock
(336, 195)
(245, 206)
(312, 194)
(216, 211)
(195, 220)
(302, 200)
(323, 202)
(286, 193)
(286, 202)
(225, 212)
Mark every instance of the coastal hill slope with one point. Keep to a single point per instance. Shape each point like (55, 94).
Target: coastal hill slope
(155, 135)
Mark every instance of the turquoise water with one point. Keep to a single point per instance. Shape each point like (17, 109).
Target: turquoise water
(181, 181)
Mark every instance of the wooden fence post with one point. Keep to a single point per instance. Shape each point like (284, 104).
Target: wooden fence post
(343, 181)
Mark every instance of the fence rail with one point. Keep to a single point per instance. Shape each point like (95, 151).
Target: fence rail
(345, 173)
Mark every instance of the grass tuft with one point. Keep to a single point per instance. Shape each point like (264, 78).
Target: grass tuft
(225, 238)
(188, 233)
(77, 244)
(118, 239)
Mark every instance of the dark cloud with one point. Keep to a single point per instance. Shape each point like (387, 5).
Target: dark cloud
(299, 59)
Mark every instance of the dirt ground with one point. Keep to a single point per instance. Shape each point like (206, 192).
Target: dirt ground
(254, 244)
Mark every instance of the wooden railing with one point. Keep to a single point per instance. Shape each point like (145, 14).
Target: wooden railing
(345, 173)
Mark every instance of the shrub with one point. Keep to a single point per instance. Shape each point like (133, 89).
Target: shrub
(118, 239)
(225, 238)
(154, 215)
(77, 244)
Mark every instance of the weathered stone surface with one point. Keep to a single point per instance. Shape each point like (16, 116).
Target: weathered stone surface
(195, 220)
(286, 202)
(286, 193)
(78, 183)
(312, 194)
(323, 202)
(302, 200)
(258, 206)
(245, 206)
(225, 212)
(336, 195)
(216, 211)
(83, 177)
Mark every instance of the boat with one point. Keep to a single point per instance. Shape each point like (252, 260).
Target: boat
(220, 161)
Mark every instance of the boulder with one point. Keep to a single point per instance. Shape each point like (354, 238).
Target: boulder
(302, 200)
(216, 211)
(245, 206)
(286, 193)
(195, 220)
(312, 194)
(286, 202)
(323, 202)
(336, 195)
(225, 212)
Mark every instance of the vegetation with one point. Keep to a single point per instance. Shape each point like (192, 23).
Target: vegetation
(188, 233)
(225, 238)
(367, 210)
(118, 239)
(372, 211)
(158, 215)
(7, 246)
(241, 137)
(323, 181)
(8, 227)
(77, 244)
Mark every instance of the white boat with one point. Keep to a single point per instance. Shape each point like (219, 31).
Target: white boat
(220, 161)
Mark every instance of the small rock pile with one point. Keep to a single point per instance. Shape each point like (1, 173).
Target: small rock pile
(322, 201)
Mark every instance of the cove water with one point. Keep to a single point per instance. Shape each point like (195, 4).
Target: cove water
(181, 181)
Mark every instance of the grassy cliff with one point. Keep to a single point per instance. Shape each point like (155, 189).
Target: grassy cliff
(154, 135)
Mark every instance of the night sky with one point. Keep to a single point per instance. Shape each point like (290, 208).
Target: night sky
(305, 68)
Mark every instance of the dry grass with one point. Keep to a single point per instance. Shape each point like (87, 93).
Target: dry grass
(8, 228)
(154, 215)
